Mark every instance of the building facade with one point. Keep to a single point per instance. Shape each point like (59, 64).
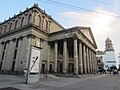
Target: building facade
(63, 50)
(107, 57)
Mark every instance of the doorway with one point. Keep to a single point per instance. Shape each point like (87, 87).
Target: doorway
(1, 66)
(13, 65)
(43, 69)
(50, 70)
(71, 68)
(61, 67)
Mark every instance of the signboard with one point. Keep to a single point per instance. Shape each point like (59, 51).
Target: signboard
(34, 60)
(33, 75)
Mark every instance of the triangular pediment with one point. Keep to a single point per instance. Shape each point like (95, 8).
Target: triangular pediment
(88, 33)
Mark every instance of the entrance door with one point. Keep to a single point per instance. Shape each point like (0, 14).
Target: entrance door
(0, 66)
(50, 70)
(43, 69)
(61, 68)
(71, 68)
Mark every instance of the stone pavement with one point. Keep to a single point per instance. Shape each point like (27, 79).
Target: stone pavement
(52, 83)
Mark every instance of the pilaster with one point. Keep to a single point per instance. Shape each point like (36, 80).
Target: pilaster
(48, 59)
(4, 66)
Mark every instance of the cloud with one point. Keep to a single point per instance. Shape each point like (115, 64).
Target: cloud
(103, 24)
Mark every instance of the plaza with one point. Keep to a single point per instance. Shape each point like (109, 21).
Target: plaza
(85, 82)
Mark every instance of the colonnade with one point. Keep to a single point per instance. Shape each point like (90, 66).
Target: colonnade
(84, 58)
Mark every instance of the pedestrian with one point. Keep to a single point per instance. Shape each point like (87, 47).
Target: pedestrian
(45, 73)
(114, 72)
(25, 73)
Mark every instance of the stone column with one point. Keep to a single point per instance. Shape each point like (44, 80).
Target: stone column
(26, 19)
(43, 18)
(80, 58)
(90, 61)
(88, 66)
(25, 47)
(65, 56)
(95, 64)
(19, 56)
(10, 55)
(5, 66)
(94, 60)
(48, 58)
(75, 57)
(84, 59)
(33, 17)
(56, 52)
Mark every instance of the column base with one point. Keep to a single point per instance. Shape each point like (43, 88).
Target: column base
(75, 74)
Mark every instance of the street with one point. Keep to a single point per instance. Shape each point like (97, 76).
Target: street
(86, 82)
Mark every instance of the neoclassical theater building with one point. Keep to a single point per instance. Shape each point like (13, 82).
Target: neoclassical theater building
(71, 50)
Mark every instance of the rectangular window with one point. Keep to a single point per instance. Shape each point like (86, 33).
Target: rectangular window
(15, 54)
(1, 65)
(13, 66)
(3, 55)
(17, 42)
(5, 46)
(110, 61)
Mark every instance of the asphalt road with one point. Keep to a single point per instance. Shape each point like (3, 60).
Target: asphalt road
(92, 82)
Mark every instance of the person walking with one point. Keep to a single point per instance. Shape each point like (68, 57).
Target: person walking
(25, 73)
(113, 72)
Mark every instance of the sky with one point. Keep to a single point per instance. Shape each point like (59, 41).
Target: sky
(103, 16)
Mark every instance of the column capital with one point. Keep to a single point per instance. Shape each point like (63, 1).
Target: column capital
(31, 36)
(21, 38)
(56, 41)
(2, 42)
(65, 39)
(14, 39)
(75, 36)
(7, 41)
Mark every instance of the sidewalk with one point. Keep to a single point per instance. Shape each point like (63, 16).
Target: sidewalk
(51, 82)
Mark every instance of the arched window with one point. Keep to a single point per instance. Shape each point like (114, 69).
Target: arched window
(16, 23)
(10, 27)
(39, 21)
(22, 22)
(46, 25)
(5, 28)
(29, 19)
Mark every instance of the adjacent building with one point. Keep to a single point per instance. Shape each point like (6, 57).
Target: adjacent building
(63, 50)
(107, 57)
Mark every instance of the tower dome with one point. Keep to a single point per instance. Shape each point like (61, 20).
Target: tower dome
(108, 45)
